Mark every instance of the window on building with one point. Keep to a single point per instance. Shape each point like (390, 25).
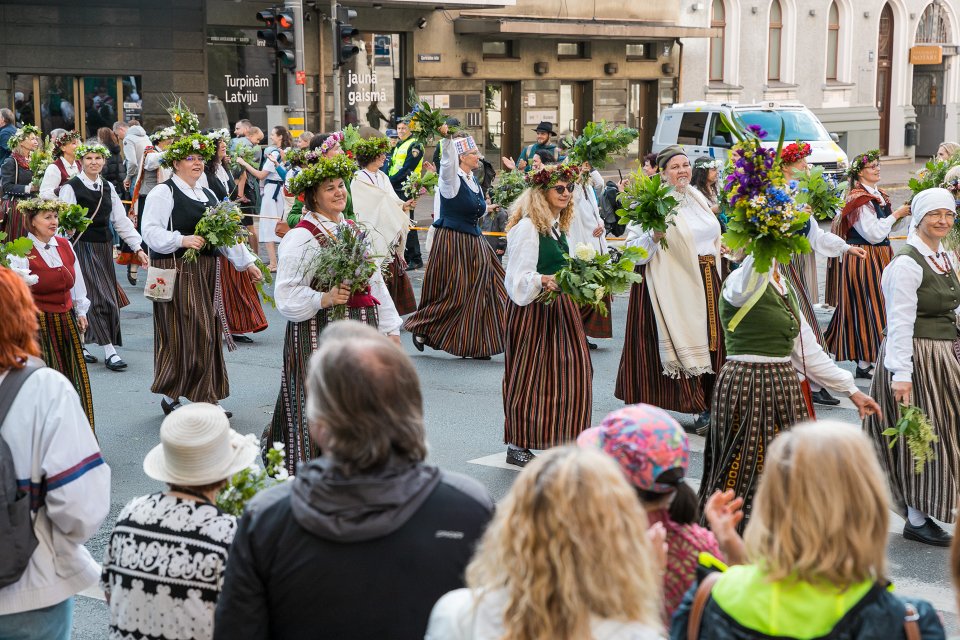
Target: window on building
(718, 20)
(641, 51)
(498, 49)
(833, 40)
(692, 126)
(775, 40)
(571, 50)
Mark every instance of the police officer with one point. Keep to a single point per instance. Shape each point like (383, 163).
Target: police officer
(407, 158)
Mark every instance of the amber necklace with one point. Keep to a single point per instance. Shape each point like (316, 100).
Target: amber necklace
(944, 268)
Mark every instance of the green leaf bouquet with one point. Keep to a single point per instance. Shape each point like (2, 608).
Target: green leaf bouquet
(649, 202)
(220, 226)
(821, 194)
(914, 427)
(590, 276)
(599, 142)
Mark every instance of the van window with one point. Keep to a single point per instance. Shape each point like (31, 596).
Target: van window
(718, 128)
(692, 126)
(799, 125)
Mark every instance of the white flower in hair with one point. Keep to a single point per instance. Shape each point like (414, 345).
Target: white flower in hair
(584, 252)
(196, 144)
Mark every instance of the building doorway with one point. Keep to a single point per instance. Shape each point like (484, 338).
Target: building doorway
(884, 78)
(501, 116)
(928, 81)
(642, 115)
(576, 107)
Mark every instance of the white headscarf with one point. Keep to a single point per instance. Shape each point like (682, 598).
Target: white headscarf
(927, 201)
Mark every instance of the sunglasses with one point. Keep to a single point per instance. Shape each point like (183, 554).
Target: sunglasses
(560, 189)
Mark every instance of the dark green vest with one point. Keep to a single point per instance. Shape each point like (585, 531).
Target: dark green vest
(768, 329)
(551, 257)
(937, 298)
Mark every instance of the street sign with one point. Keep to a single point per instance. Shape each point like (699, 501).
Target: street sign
(301, 77)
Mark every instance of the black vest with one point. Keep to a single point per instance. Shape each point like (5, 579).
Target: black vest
(854, 237)
(185, 216)
(217, 187)
(99, 205)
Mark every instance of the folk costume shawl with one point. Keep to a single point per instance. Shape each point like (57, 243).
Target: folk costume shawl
(678, 297)
(850, 215)
(382, 214)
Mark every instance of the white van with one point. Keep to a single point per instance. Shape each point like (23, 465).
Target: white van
(699, 129)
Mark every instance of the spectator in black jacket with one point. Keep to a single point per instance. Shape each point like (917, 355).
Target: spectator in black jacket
(367, 537)
(114, 171)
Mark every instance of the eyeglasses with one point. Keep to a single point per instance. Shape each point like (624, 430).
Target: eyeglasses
(560, 189)
(941, 215)
(193, 159)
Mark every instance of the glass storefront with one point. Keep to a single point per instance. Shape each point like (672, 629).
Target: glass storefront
(242, 76)
(373, 83)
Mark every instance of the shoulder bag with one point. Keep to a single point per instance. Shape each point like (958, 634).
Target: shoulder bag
(160, 282)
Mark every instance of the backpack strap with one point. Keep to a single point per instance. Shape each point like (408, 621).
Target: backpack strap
(12, 383)
(700, 600)
(911, 625)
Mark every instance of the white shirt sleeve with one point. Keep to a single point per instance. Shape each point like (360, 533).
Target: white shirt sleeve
(452, 617)
(449, 180)
(596, 179)
(50, 181)
(809, 357)
(388, 320)
(156, 221)
(79, 291)
(900, 282)
(118, 214)
(827, 244)
(523, 252)
(637, 237)
(743, 283)
(239, 256)
(296, 301)
(872, 228)
(67, 195)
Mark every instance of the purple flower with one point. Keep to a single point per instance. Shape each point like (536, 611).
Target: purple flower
(757, 130)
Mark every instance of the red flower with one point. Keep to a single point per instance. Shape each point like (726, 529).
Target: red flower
(795, 152)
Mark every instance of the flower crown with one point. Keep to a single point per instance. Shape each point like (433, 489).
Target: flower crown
(219, 135)
(795, 152)
(862, 160)
(339, 166)
(332, 140)
(952, 185)
(366, 151)
(707, 163)
(62, 140)
(302, 157)
(84, 149)
(167, 133)
(43, 204)
(184, 121)
(191, 145)
(17, 138)
(552, 174)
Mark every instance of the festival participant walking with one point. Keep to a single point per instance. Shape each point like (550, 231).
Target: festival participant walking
(674, 343)
(308, 311)
(463, 299)
(113, 169)
(587, 228)
(379, 208)
(548, 376)
(407, 158)
(271, 174)
(917, 365)
(94, 248)
(856, 328)
(64, 166)
(544, 132)
(16, 178)
(148, 173)
(187, 351)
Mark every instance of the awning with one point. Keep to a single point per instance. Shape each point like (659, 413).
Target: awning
(476, 24)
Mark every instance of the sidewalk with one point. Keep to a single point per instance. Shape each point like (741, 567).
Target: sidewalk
(895, 173)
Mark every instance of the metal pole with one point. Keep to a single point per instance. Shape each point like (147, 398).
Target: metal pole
(297, 95)
(335, 85)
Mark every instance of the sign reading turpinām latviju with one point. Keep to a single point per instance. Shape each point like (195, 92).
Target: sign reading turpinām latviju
(239, 88)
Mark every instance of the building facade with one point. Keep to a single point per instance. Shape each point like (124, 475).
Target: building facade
(872, 70)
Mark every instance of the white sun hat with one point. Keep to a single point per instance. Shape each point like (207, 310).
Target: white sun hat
(197, 447)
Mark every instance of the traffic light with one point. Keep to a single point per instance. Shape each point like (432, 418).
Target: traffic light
(279, 35)
(344, 48)
(269, 35)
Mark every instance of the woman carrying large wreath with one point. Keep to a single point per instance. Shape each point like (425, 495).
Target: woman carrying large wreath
(674, 344)
(548, 377)
(463, 300)
(309, 311)
(94, 248)
(378, 207)
(918, 365)
(16, 180)
(187, 350)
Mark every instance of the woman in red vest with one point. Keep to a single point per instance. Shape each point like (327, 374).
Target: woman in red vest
(65, 166)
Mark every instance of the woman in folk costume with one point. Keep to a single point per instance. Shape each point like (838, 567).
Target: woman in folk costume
(240, 299)
(309, 311)
(918, 365)
(378, 208)
(857, 325)
(463, 300)
(16, 179)
(674, 343)
(587, 228)
(548, 377)
(94, 248)
(187, 333)
(65, 164)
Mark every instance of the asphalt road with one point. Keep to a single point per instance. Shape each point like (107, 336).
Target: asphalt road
(464, 418)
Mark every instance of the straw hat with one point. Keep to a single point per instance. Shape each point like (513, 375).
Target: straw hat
(197, 447)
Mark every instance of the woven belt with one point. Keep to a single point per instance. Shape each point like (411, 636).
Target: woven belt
(714, 339)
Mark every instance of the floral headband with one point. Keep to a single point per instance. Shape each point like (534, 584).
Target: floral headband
(795, 152)
(862, 160)
(552, 174)
(43, 204)
(22, 133)
(339, 166)
(192, 145)
(707, 163)
(332, 140)
(184, 121)
(302, 157)
(219, 135)
(64, 138)
(84, 149)
(167, 133)
(369, 149)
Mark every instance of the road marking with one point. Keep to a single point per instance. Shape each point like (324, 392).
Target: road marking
(94, 592)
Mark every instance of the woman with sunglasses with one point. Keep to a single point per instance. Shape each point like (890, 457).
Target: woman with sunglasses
(674, 342)
(463, 299)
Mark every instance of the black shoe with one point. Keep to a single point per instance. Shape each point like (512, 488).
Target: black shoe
(413, 266)
(131, 276)
(476, 357)
(242, 338)
(823, 397)
(929, 533)
(419, 341)
(702, 424)
(88, 357)
(519, 457)
(866, 374)
(592, 345)
(228, 413)
(114, 363)
(169, 407)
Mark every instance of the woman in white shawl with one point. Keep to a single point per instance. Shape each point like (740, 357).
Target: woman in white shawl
(587, 228)
(674, 342)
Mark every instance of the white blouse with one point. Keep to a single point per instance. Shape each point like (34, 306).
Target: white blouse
(702, 222)
(523, 252)
(827, 244)
(899, 283)
(296, 301)
(807, 355)
(872, 228)
(586, 216)
(51, 178)
(118, 212)
(50, 255)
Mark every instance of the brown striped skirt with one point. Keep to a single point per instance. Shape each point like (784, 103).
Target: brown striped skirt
(806, 266)
(400, 287)
(640, 377)
(856, 329)
(62, 349)
(15, 225)
(103, 291)
(241, 303)
(463, 300)
(548, 376)
(187, 352)
(794, 274)
(595, 324)
(753, 402)
(936, 378)
(289, 423)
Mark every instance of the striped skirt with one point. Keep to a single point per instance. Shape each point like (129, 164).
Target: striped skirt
(241, 302)
(797, 280)
(100, 278)
(856, 328)
(62, 350)
(289, 423)
(753, 402)
(15, 224)
(595, 324)
(548, 376)
(400, 287)
(463, 300)
(187, 352)
(936, 378)
(806, 266)
(641, 378)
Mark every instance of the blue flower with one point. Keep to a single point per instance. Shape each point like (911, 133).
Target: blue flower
(792, 184)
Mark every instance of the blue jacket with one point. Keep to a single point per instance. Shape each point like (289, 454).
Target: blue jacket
(5, 134)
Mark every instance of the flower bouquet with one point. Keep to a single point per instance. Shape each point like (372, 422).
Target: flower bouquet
(822, 195)
(425, 121)
(40, 160)
(952, 241)
(247, 483)
(74, 220)
(589, 276)
(507, 188)
(18, 248)
(599, 142)
(245, 152)
(914, 427)
(649, 202)
(220, 226)
(351, 136)
(184, 121)
(417, 185)
(345, 258)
